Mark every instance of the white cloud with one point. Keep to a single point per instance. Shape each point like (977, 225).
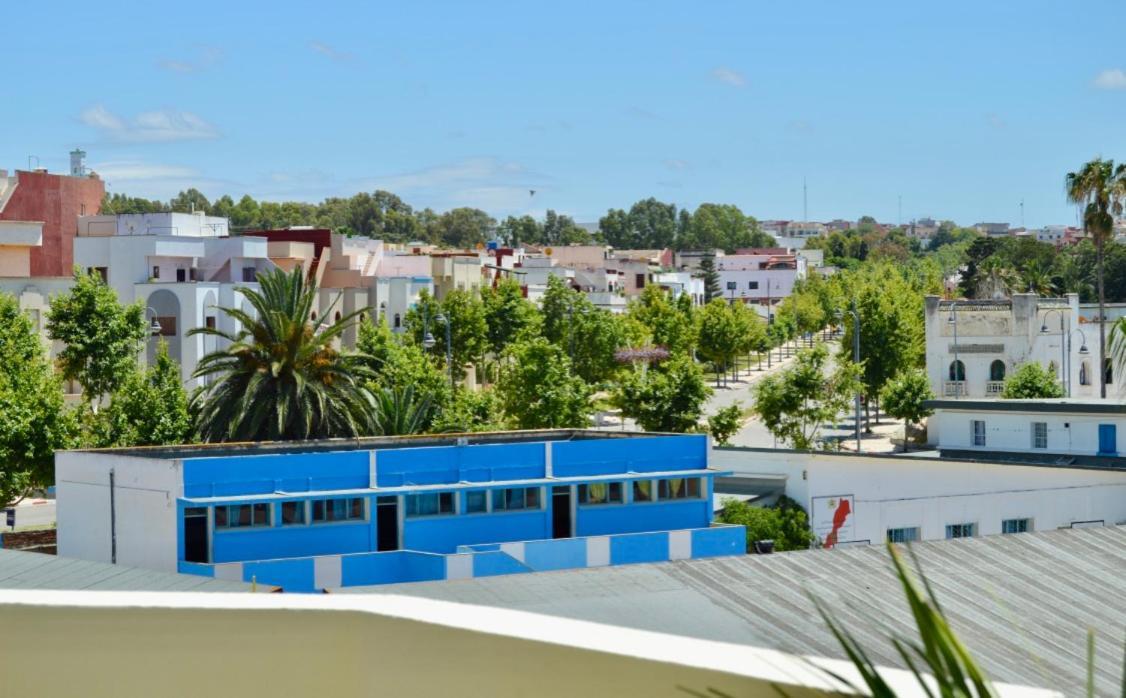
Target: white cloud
(204, 57)
(730, 76)
(497, 186)
(676, 165)
(1111, 79)
(995, 120)
(329, 52)
(149, 127)
(138, 170)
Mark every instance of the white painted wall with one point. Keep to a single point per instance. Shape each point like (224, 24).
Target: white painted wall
(145, 494)
(1012, 431)
(931, 494)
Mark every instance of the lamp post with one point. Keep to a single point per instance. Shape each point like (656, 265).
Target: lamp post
(154, 328)
(856, 360)
(449, 346)
(1065, 345)
(959, 370)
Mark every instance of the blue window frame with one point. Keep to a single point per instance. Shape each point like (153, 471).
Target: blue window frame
(293, 513)
(679, 488)
(1016, 525)
(242, 516)
(516, 498)
(338, 509)
(962, 530)
(430, 504)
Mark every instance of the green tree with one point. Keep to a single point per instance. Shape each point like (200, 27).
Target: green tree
(469, 331)
(726, 423)
(470, 411)
(189, 201)
(721, 335)
(710, 276)
(719, 226)
(1100, 189)
(464, 227)
(649, 224)
(538, 388)
(669, 326)
(398, 364)
(668, 397)
(509, 316)
(903, 398)
(1031, 381)
(149, 409)
(281, 377)
(794, 403)
(517, 231)
(33, 420)
(101, 338)
(399, 412)
(785, 523)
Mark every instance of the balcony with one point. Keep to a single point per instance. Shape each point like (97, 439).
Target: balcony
(954, 389)
(994, 388)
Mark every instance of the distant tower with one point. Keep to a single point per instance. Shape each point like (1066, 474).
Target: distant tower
(77, 164)
(804, 201)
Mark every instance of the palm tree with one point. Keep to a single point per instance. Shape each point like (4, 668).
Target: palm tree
(995, 279)
(281, 377)
(1100, 190)
(1038, 280)
(398, 412)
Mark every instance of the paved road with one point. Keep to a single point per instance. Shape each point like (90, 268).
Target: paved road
(33, 512)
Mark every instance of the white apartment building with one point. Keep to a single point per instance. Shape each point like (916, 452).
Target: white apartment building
(754, 278)
(1053, 234)
(804, 229)
(972, 345)
(181, 266)
(679, 283)
(870, 499)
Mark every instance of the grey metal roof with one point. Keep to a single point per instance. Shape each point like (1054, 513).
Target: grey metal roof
(24, 570)
(1022, 603)
(1054, 405)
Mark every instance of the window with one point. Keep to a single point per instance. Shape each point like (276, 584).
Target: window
(639, 280)
(430, 504)
(341, 509)
(156, 272)
(249, 274)
(1039, 435)
(292, 513)
(601, 493)
(167, 325)
(193, 274)
(516, 499)
(209, 322)
(181, 275)
(752, 285)
(1108, 372)
(242, 516)
(978, 432)
(398, 321)
(476, 501)
(903, 535)
(957, 371)
(962, 530)
(997, 370)
(678, 488)
(1084, 373)
(643, 490)
(100, 271)
(1016, 525)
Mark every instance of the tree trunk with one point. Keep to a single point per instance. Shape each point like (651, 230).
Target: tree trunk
(1102, 316)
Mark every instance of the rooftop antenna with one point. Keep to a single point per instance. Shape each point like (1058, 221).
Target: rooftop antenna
(1022, 213)
(804, 201)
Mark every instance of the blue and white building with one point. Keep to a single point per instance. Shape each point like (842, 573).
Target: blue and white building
(326, 514)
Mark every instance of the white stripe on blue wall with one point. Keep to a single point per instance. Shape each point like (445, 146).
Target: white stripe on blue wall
(231, 571)
(459, 566)
(327, 572)
(598, 551)
(515, 550)
(680, 545)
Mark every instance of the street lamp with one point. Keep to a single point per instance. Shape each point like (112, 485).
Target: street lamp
(154, 328)
(1066, 333)
(855, 359)
(449, 347)
(959, 370)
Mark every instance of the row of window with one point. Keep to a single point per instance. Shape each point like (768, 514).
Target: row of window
(643, 491)
(960, 530)
(528, 498)
(1039, 435)
(292, 513)
(957, 371)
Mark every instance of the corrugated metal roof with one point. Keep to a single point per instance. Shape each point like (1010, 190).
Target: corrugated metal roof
(24, 570)
(1022, 603)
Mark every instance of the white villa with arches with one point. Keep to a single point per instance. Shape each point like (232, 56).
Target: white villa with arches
(972, 345)
(182, 266)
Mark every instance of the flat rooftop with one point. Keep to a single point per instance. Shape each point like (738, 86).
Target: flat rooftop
(371, 443)
(1022, 603)
(1072, 405)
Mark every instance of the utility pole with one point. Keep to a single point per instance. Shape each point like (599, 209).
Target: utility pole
(899, 215)
(804, 201)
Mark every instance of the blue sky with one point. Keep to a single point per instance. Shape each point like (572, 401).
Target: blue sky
(962, 109)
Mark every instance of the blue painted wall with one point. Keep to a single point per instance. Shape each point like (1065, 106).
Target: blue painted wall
(640, 547)
(494, 564)
(721, 540)
(453, 464)
(391, 568)
(291, 541)
(291, 472)
(605, 519)
(442, 534)
(639, 455)
(562, 554)
(290, 575)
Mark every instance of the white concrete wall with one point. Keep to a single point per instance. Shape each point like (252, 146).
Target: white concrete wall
(931, 494)
(145, 493)
(1012, 431)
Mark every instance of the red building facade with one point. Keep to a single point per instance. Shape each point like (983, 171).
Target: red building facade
(56, 201)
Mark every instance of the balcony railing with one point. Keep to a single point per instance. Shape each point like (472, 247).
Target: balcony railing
(994, 387)
(954, 389)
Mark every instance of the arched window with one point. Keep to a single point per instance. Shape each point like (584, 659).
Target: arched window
(313, 316)
(997, 370)
(398, 321)
(957, 371)
(1085, 373)
(337, 316)
(1108, 372)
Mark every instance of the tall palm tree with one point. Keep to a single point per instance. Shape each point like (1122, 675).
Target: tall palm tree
(995, 279)
(398, 412)
(1037, 279)
(1100, 190)
(282, 377)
